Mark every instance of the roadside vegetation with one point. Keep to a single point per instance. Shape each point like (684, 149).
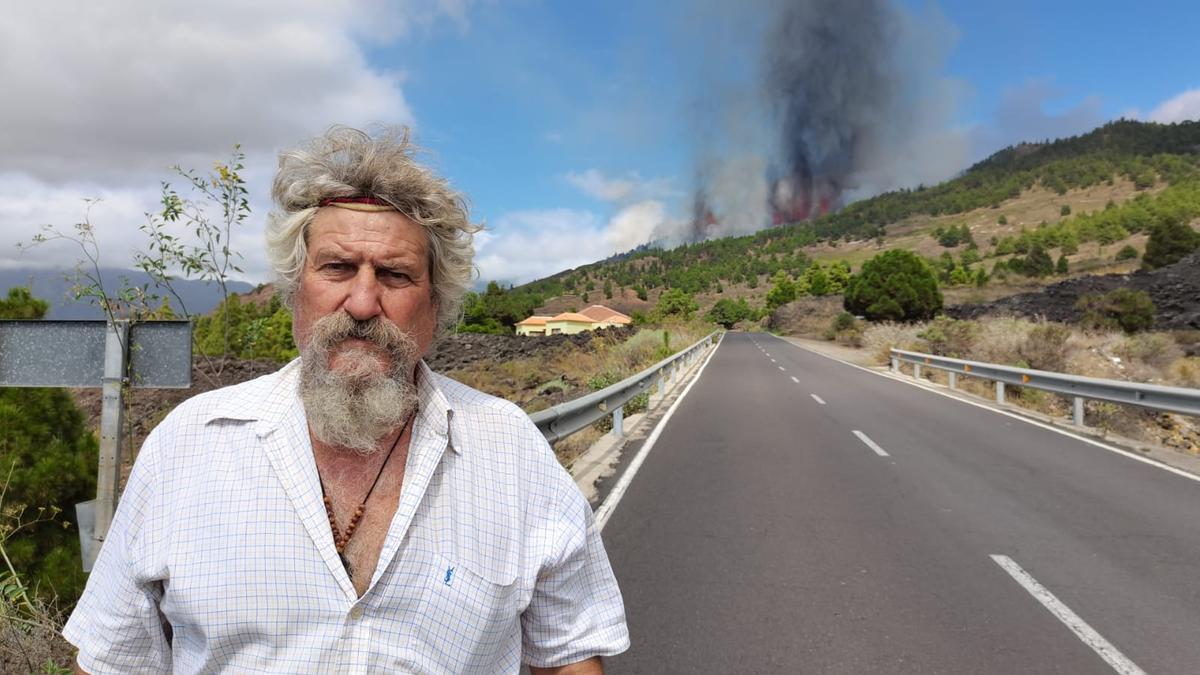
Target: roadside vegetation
(539, 382)
(1150, 357)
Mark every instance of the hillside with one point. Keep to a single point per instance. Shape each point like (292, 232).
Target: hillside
(1083, 198)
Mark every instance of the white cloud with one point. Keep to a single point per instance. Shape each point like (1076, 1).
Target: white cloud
(102, 97)
(595, 184)
(105, 91)
(525, 245)
(1180, 108)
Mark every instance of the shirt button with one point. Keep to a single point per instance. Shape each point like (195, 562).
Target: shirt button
(356, 613)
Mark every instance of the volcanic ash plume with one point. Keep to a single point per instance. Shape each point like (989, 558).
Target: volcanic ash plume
(828, 79)
(852, 101)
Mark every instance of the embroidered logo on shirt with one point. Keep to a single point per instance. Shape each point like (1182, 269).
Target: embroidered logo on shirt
(449, 575)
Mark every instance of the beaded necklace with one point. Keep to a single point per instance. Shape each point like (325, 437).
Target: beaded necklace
(342, 539)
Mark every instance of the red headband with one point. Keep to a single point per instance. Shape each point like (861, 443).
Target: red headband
(355, 200)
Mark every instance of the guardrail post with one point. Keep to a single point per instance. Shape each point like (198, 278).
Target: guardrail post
(111, 418)
(1078, 411)
(1000, 393)
(953, 378)
(674, 374)
(618, 418)
(895, 365)
(916, 371)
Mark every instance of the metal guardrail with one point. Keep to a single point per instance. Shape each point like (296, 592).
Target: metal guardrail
(1152, 396)
(567, 418)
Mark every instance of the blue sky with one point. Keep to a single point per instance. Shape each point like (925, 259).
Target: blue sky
(576, 128)
(528, 93)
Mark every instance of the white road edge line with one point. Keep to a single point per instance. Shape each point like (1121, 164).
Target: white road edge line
(783, 369)
(870, 443)
(818, 399)
(1048, 427)
(773, 361)
(604, 511)
(795, 380)
(1078, 626)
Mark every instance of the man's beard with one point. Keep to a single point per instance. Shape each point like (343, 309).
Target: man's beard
(359, 404)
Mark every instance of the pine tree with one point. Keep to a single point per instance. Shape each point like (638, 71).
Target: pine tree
(895, 285)
(1170, 241)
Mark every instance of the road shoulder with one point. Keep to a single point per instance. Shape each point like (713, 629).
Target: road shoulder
(860, 358)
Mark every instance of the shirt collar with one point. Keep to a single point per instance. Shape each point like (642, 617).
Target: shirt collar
(277, 395)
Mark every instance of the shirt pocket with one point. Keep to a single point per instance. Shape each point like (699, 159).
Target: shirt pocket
(472, 612)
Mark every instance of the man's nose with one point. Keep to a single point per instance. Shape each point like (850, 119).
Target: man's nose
(364, 300)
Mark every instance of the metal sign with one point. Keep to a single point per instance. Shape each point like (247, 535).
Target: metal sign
(154, 354)
(71, 354)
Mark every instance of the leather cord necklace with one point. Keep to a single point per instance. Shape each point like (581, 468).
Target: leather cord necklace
(342, 539)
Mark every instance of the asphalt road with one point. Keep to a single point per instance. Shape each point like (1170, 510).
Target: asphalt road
(762, 534)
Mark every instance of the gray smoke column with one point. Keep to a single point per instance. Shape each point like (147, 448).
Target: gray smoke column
(838, 100)
(829, 79)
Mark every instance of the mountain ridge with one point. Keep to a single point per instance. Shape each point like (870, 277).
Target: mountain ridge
(54, 286)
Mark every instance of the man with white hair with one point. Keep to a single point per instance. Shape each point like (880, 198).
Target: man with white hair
(353, 511)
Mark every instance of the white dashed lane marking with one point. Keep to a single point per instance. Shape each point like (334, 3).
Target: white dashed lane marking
(1078, 626)
(871, 444)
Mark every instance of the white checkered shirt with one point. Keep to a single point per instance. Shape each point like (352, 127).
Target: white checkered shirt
(220, 556)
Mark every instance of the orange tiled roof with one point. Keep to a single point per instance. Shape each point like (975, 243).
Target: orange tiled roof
(534, 321)
(602, 313)
(574, 316)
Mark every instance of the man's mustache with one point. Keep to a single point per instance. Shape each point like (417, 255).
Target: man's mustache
(340, 326)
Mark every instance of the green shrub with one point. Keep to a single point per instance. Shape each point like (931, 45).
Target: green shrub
(1157, 350)
(844, 321)
(728, 312)
(637, 404)
(895, 285)
(1170, 241)
(254, 332)
(1129, 310)
(950, 337)
(1045, 347)
(844, 328)
(784, 289)
(675, 303)
(1127, 252)
(1038, 263)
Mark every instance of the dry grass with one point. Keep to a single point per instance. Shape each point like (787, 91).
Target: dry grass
(806, 317)
(30, 641)
(572, 447)
(540, 382)
(1155, 358)
(30, 620)
(880, 338)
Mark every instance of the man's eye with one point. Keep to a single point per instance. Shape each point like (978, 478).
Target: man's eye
(336, 267)
(393, 274)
